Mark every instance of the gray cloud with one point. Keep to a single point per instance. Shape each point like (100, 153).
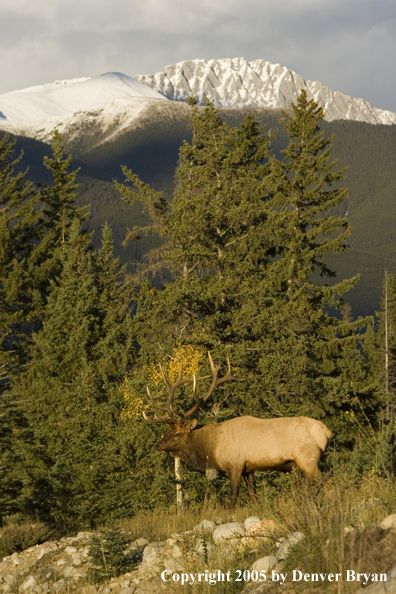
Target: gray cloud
(350, 45)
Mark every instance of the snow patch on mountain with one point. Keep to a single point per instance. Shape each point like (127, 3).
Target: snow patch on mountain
(238, 83)
(111, 119)
(55, 101)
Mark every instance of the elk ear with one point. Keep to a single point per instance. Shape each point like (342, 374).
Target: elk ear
(192, 425)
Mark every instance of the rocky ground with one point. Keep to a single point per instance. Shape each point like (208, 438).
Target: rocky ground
(182, 562)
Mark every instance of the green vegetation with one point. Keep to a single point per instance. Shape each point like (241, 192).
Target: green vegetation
(242, 261)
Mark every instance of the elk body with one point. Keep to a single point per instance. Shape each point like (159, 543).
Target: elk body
(242, 445)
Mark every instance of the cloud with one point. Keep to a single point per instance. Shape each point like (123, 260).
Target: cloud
(350, 45)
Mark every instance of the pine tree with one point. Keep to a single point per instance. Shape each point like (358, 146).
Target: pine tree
(20, 217)
(311, 347)
(76, 458)
(247, 238)
(217, 242)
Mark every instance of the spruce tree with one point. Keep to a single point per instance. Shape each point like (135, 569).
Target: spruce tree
(217, 237)
(20, 217)
(76, 459)
(310, 348)
(246, 241)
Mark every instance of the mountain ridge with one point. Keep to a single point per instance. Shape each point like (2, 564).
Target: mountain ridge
(235, 82)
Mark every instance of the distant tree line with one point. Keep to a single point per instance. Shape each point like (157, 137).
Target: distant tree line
(241, 272)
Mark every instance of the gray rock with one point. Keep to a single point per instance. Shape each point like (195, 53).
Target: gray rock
(205, 526)
(83, 535)
(28, 584)
(71, 550)
(289, 542)
(389, 522)
(67, 571)
(250, 521)
(264, 564)
(10, 579)
(226, 531)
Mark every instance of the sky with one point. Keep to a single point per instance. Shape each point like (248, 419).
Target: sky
(348, 45)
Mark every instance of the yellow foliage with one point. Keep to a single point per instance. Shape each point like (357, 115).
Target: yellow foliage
(188, 356)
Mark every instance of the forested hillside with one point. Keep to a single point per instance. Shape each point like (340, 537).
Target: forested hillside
(151, 149)
(239, 266)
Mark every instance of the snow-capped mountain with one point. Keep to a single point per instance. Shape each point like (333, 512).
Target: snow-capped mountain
(238, 83)
(110, 103)
(104, 106)
(66, 97)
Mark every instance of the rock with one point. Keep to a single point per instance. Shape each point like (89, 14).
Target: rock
(59, 586)
(249, 542)
(389, 522)
(203, 547)
(264, 564)
(84, 535)
(47, 573)
(250, 521)
(29, 583)
(263, 528)
(67, 571)
(226, 531)
(205, 526)
(71, 550)
(142, 542)
(46, 547)
(10, 579)
(289, 542)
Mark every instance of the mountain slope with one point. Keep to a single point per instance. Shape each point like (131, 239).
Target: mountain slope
(238, 83)
(65, 97)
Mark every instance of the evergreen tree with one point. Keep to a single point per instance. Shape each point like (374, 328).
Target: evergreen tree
(19, 234)
(380, 347)
(314, 352)
(59, 212)
(218, 238)
(246, 241)
(76, 459)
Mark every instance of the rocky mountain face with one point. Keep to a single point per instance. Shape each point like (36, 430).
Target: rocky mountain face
(238, 83)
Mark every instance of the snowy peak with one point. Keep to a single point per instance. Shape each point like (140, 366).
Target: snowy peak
(66, 97)
(238, 83)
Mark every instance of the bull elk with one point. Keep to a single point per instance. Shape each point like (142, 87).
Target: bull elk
(242, 445)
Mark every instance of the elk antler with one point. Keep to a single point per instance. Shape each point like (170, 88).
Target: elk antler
(171, 418)
(215, 382)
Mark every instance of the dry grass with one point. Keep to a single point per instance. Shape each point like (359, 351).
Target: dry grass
(322, 512)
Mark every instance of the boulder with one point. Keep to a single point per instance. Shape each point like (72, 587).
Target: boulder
(250, 521)
(289, 542)
(225, 532)
(264, 564)
(389, 522)
(263, 528)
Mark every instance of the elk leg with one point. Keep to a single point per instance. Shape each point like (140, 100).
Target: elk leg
(235, 480)
(251, 485)
(309, 467)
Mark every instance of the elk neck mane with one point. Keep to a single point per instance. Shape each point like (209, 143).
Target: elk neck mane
(197, 455)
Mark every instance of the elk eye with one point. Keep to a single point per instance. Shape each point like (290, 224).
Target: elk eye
(177, 434)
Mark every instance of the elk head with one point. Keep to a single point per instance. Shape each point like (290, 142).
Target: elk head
(175, 438)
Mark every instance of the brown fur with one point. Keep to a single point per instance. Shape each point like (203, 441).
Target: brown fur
(243, 445)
